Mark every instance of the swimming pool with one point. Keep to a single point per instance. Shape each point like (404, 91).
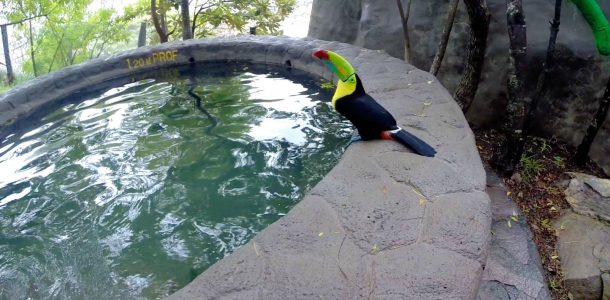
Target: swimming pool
(135, 189)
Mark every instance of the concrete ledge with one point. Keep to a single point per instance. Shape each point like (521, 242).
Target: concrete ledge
(384, 223)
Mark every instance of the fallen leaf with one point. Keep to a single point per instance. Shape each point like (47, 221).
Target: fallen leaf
(374, 249)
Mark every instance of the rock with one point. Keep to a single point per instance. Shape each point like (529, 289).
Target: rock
(375, 24)
(585, 193)
(513, 269)
(562, 184)
(601, 186)
(516, 177)
(581, 245)
(602, 252)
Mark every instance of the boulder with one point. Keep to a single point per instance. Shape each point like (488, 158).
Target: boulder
(583, 245)
(589, 195)
(574, 86)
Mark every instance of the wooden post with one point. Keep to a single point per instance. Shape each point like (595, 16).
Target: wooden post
(7, 57)
(142, 36)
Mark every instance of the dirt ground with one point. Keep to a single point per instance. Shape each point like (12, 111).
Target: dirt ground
(537, 186)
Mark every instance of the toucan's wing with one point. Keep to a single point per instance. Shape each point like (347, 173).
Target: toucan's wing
(369, 117)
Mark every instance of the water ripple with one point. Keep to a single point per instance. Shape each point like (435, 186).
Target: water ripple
(132, 192)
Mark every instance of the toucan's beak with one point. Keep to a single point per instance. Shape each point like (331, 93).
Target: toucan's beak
(321, 54)
(336, 63)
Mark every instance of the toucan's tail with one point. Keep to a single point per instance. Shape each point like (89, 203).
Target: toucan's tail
(414, 143)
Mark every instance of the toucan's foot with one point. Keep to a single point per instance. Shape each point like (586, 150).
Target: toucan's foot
(355, 138)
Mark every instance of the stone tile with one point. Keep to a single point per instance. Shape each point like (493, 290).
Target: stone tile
(578, 237)
(459, 222)
(423, 272)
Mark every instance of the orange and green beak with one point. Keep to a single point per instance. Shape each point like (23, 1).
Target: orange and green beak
(336, 63)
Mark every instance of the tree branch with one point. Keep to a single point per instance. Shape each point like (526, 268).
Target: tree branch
(442, 45)
(582, 153)
(478, 14)
(404, 18)
(155, 17)
(23, 20)
(506, 158)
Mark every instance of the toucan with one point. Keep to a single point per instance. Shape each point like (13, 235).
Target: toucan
(370, 118)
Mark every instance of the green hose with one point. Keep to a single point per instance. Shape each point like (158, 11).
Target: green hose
(598, 22)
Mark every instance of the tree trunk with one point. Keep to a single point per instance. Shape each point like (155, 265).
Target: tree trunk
(10, 76)
(59, 44)
(478, 15)
(442, 45)
(32, 49)
(161, 31)
(546, 69)
(404, 18)
(187, 34)
(582, 154)
(507, 157)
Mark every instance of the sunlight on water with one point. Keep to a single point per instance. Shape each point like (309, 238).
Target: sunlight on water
(133, 191)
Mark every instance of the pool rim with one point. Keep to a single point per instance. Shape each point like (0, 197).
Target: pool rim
(448, 189)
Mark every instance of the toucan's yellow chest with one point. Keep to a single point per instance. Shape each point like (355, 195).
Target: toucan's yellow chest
(344, 88)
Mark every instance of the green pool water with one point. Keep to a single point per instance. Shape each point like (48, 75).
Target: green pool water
(134, 190)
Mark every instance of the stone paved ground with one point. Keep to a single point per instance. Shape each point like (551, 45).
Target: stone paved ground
(513, 269)
(583, 237)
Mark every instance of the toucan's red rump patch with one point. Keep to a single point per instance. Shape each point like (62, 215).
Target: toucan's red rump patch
(386, 135)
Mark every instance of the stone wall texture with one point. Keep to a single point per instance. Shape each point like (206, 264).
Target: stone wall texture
(384, 223)
(575, 85)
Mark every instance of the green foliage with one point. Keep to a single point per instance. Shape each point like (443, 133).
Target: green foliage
(327, 85)
(65, 32)
(559, 161)
(218, 16)
(545, 147)
(530, 167)
(239, 15)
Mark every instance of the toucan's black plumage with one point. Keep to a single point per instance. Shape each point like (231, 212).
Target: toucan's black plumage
(375, 122)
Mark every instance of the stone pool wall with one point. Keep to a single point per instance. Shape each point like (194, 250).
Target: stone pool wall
(384, 223)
